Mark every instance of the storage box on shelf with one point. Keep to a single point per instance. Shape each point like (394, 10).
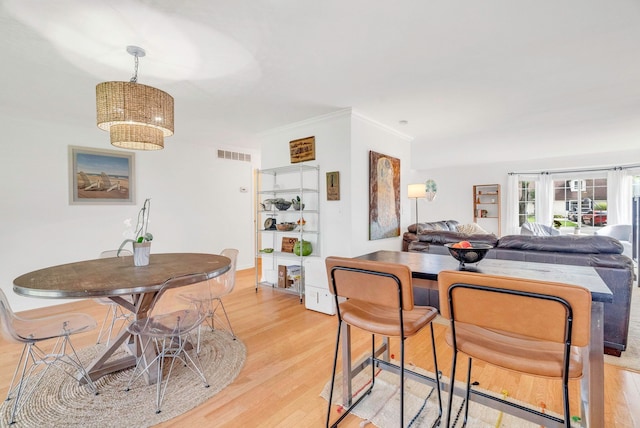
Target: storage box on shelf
(287, 225)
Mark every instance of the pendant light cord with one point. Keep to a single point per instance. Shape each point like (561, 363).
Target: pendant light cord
(134, 79)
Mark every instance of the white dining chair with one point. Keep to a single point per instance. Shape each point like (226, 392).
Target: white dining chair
(167, 333)
(209, 296)
(115, 312)
(34, 362)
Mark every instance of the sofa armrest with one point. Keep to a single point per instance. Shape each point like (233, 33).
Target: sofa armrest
(408, 238)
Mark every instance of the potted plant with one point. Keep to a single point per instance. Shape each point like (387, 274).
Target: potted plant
(297, 203)
(142, 241)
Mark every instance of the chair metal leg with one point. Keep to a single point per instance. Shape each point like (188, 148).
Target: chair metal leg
(115, 313)
(466, 406)
(211, 316)
(565, 397)
(451, 387)
(31, 359)
(402, 381)
(24, 359)
(167, 347)
(224, 311)
(104, 323)
(333, 374)
(141, 363)
(436, 374)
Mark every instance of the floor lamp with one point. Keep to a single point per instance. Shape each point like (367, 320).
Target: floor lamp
(417, 191)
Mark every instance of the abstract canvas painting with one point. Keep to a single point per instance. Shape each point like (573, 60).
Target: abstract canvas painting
(384, 196)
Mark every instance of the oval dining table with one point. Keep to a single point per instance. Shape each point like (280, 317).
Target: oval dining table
(132, 287)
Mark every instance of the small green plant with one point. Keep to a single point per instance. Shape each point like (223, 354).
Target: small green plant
(141, 234)
(297, 203)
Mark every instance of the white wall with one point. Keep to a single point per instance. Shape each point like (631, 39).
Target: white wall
(196, 203)
(343, 140)
(368, 135)
(455, 185)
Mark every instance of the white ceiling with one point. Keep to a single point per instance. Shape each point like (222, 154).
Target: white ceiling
(517, 79)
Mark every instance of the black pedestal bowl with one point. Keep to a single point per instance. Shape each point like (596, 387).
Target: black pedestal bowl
(473, 254)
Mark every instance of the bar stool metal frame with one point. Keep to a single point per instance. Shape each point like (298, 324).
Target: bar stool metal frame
(527, 326)
(380, 301)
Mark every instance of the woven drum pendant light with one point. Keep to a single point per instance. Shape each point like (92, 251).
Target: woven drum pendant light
(137, 116)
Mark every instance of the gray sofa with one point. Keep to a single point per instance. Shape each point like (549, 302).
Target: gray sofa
(603, 253)
(420, 235)
(538, 229)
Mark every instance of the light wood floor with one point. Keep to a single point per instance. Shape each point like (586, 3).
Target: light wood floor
(289, 352)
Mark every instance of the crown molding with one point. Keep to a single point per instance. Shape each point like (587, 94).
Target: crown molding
(382, 126)
(335, 114)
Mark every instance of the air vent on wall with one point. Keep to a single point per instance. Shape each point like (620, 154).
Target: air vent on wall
(225, 154)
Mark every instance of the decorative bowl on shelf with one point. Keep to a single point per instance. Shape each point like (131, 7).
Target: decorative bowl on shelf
(270, 203)
(286, 227)
(283, 205)
(472, 254)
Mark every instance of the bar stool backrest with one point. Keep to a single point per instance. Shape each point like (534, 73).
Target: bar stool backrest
(381, 286)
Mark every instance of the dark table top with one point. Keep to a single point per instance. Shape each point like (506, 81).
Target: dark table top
(427, 266)
(116, 275)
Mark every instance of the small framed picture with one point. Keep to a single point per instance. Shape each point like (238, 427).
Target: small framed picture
(333, 186)
(288, 244)
(100, 176)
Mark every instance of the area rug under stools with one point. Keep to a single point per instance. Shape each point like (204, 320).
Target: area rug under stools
(382, 407)
(60, 402)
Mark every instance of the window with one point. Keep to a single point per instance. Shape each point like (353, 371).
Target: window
(526, 202)
(636, 185)
(580, 202)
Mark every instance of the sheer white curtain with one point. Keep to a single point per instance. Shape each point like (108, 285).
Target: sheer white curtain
(544, 199)
(512, 226)
(619, 194)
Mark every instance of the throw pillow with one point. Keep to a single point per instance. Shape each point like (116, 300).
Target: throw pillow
(470, 229)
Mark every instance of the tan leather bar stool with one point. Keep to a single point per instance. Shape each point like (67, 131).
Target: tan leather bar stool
(527, 326)
(378, 298)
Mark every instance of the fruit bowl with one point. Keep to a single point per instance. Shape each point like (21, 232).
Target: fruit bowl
(472, 254)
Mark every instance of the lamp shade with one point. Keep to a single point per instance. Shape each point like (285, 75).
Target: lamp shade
(129, 107)
(136, 137)
(416, 190)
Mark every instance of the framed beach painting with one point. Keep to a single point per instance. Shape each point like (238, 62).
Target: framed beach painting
(100, 176)
(384, 196)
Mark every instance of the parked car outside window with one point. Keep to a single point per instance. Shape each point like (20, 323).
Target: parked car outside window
(598, 218)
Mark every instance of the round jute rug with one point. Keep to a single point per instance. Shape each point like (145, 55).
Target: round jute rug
(60, 401)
